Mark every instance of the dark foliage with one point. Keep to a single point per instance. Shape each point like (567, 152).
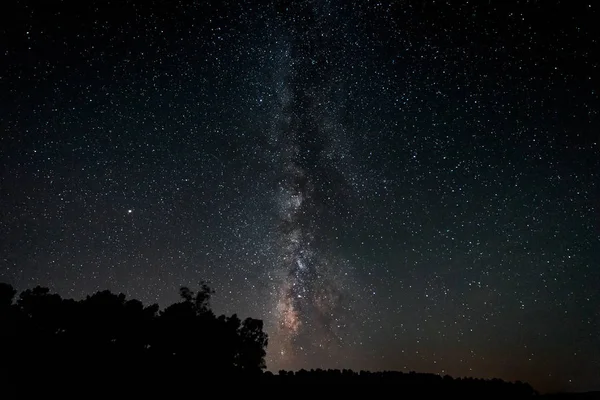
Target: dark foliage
(414, 383)
(108, 344)
(107, 340)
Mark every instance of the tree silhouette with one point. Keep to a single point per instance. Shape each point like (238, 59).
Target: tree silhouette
(106, 340)
(105, 337)
(7, 294)
(253, 342)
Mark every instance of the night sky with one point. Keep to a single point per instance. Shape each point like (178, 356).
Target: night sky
(388, 185)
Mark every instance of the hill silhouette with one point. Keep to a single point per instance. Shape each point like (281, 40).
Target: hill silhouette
(105, 341)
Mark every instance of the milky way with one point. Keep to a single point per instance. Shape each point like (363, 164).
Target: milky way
(314, 297)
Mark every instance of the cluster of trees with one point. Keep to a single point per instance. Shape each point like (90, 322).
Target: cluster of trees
(105, 336)
(103, 341)
(423, 383)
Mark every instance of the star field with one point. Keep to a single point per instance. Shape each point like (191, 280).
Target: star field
(388, 185)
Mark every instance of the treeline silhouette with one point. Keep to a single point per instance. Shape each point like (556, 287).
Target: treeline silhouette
(107, 341)
(106, 338)
(422, 382)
